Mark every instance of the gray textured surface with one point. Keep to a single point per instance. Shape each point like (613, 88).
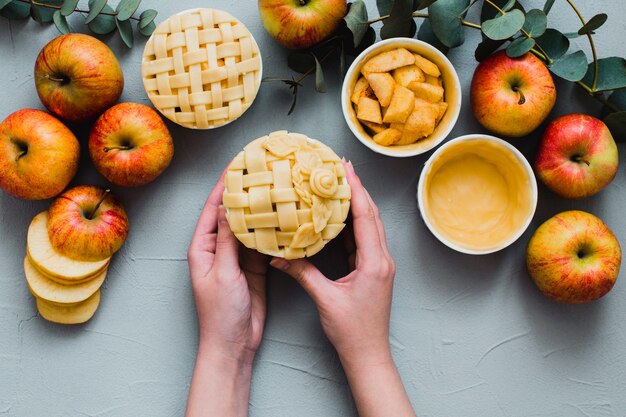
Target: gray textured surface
(472, 336)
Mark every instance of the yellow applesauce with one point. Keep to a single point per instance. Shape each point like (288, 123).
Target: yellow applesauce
(478, 194)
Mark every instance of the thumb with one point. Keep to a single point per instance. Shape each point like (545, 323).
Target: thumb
(226, 245)
(307, 275)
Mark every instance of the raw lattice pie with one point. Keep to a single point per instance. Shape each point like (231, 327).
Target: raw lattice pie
(201, 68)
(286, 195)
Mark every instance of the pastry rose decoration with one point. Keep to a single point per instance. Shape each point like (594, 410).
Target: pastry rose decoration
(323, 182)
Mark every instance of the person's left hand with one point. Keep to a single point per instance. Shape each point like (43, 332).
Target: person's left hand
(228, 282)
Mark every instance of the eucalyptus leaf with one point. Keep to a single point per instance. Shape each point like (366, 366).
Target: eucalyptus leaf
(146, 17)
(320, 84)
(356, 20)
(425, 33)
(548, 6)
(536, 23)
(571, 67)
(504, 26)
(103, 23)
(60, 22)
(572, 35)
(445, 20)
(147, 31)
(617, 99)
(520, 46)
(486, 48)
(611, 74)
(125, 9)
(554, 43)
(616, 122)
(68, 8)
(300, 62)
(95, 7)
(384, 7)
(16, 10)
(4, 3)
(422, 4)
(508, 6)
(593, 24)
(44, 14)
(126, 31)
(398, 24)
(342, 60)
(489, 12)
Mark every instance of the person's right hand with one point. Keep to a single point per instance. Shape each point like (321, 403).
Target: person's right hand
(355, 309)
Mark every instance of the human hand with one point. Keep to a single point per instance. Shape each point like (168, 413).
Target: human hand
(354, 310)
(228, 282)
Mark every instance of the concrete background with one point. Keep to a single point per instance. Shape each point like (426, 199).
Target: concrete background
(472, 336)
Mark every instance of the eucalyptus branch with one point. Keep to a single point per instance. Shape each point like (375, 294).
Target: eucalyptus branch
(51, 6)
(424, 16)
(594, 83)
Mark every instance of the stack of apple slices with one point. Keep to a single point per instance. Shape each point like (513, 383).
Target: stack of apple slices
(68, 251)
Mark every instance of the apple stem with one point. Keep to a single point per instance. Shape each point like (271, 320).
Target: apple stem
(104, 195)
(52, 78)
(19, 155)
(303, 2)
(579, 158)
(522, 99)
(121, 148)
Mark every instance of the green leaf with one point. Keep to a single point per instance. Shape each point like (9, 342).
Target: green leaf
(126, 31)
(504, 26)
(445, 20)
(103, 23)
(508, 6)
(548, 6)
(320, 84)
(593, 24)
(489, 12)
(536, 23)
(147, 31)
(616, 122)
(368, 40)
(571, 35)
(486, 48)
(356, 20)
(68, 8)
(426, 34)
(384, 7)
(44, 14)
(342, 61)
(611, 74)
(618, 99)
(554, 43)
(300, 62)
(60, 22)
(125, 9)
(4, 3)
(146, 17)
(15, 10)
(95, 7)
(520, 46)
(571, 67)
(422, 4)
(398, 24)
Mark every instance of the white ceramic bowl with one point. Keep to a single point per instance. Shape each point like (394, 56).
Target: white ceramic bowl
(515, 175)
(452, 95)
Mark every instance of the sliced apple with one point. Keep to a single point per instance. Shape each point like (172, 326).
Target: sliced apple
(70, 313)
(52, 263)
(49, 290)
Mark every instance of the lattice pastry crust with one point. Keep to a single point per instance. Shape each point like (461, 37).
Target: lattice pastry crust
(286, 195)
(201, 68)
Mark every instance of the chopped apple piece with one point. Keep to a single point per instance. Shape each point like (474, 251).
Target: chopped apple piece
(426, 91)
(52, 263)
(427, 66)
(360, 86)
(69, 313)
(387, 61)
(429, 79)
(49, 290)
(407, 74)
(374, 127)
(369, 109)
(441, 110)
(387, 137)
(401, 105)
(383, 85)
(420, 123)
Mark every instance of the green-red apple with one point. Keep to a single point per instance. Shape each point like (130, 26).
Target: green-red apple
(130, 145)
(38, 155)
(299, 24)
(87, 223)
(574, 257)
(577, 156)
(78, 77)
(512, 96)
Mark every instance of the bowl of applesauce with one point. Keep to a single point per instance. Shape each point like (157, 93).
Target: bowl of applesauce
(477, 194)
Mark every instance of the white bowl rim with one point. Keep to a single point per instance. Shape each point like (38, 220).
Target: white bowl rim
(518, 155)
(390, 150)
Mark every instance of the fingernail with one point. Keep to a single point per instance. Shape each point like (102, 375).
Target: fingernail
(279, 263)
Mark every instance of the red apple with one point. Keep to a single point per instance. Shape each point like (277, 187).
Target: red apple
(130, 145)
(577, 156)
(87, 223)
(38, 155)
(299, 24)
(574, 257)
(78, 77)
(512, 96)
